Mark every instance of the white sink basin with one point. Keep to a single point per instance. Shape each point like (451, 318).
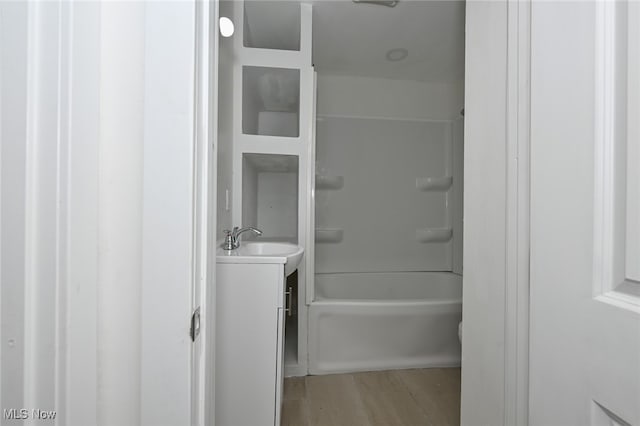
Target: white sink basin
(292, 252)
(265, 252)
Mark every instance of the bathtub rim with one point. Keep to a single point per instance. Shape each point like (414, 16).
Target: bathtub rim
(443, 279)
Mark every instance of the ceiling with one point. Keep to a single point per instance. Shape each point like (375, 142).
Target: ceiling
(353, 39)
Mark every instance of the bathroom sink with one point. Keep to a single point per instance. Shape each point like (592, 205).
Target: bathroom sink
(251, 251)
(256, 248)
(292, 252)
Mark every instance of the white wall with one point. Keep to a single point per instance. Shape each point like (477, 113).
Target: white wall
(277, 204)
(381, 97)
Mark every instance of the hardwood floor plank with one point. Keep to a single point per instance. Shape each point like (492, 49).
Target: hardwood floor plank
(334, 401)
(380, 398)
(437, 392)
(378, 380)
(295, 412)
(387, 401)
(294, 388)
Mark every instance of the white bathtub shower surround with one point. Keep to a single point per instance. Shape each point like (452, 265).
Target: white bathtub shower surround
(388, 184)
(375, 321)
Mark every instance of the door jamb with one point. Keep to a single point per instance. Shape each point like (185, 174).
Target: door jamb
(205, 189)
(495, 373)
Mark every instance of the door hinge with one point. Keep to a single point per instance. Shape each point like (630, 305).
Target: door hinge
(194, 332)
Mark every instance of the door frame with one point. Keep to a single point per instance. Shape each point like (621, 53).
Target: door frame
(205, 217)
(495, 363)
(495, 326)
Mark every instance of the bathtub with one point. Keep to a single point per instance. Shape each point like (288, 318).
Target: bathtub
(381, 321)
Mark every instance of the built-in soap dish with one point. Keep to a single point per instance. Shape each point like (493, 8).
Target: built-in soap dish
(434, 183)
(329, 182)
(326, 235)
(434, 235)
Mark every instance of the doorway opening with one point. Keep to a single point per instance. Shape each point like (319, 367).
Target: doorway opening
(369, 97)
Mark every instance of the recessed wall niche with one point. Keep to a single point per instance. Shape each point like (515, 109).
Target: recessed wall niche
(270, 101)
(272, 25)
(270, 195)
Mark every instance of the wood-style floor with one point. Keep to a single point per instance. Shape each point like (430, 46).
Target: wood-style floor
(385, 398)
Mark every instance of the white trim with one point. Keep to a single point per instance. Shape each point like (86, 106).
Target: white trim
(81, 378)
(205, 155)
(609, 278)
(65, 82)
(524, 212)
(603, 170)
(31, 168)
(213, 217)
(496, 284)
(2, 42)
(633, 149)
(46, 207)
(517, 243)
(311, 202)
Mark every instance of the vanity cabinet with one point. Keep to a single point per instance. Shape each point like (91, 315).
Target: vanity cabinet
(250, 305)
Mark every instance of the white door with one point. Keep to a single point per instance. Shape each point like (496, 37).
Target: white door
(585, 214)
(98, 225)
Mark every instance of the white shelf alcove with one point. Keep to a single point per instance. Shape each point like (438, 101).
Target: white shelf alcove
(270, 101)
(272, 25)
(271, 127)
(270, 195)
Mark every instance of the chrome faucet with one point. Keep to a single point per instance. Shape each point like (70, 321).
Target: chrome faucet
(231, 238)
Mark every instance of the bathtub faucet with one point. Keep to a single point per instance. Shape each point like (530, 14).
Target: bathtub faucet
(231, 238)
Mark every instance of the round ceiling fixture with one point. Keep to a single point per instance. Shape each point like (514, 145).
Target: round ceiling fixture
(226, 27)
(397, 54)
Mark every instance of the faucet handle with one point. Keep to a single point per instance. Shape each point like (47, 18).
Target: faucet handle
(228, 240)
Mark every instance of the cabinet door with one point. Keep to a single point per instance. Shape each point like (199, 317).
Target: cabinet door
(249, 301)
